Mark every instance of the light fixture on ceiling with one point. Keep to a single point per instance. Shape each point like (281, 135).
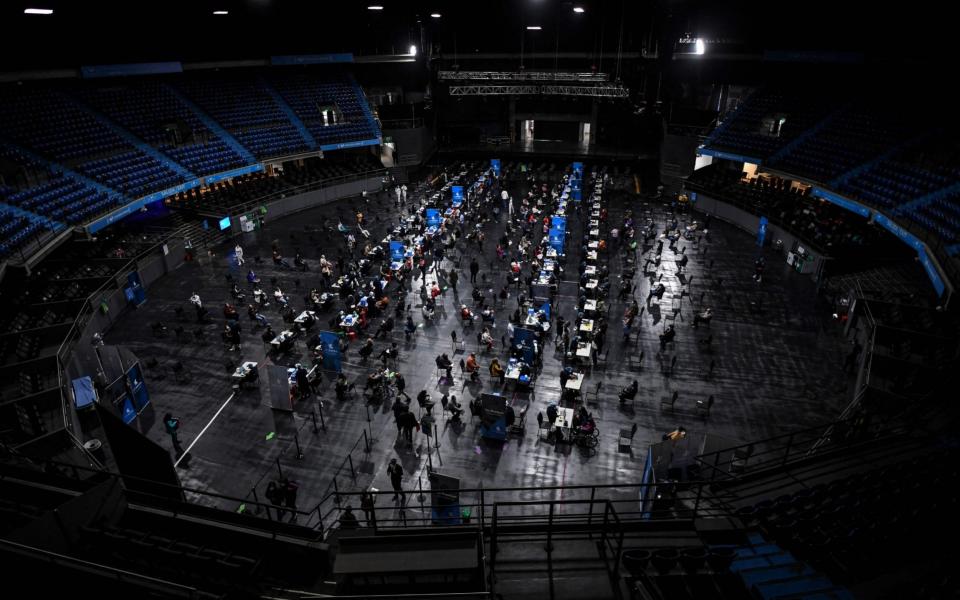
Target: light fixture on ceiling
(38, 11)
(374, 7)
(221, 12)
(533, 28)
(699, 47)
(578, 9)
(435, 15)
(413, 50)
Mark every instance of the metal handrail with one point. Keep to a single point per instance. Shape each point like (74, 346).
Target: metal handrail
(302, 189)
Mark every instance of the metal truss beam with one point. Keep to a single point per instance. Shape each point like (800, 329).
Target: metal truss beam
(522, 76)
(597, 91)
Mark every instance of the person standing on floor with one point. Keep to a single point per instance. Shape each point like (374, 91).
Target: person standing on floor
(474, 269)
(290, 488)
(239, 252)
(275, 496)
(172, 425)
(395, 471)
(367, 506)
(453, 277)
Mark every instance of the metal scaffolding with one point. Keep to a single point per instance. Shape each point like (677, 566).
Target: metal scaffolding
(522, 76)
(594, 91)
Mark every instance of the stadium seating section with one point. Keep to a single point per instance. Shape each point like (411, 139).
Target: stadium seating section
(878, 152)
(72, 151)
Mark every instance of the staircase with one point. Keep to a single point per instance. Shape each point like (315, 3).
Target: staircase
(213, 126)
(770, 572)
(292, 116)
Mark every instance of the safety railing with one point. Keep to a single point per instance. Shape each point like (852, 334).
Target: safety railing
(302, 189)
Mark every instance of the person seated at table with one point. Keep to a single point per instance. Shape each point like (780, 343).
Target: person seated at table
(486, 339)
(299, 261)
(473, 367)
(552, 413)
(279, 297)
(367, 349)
(496, 369)
(657, 291)
(478, 297)
(409, 328)
(435, 291)
(341, 387)
(390, 353)
(230, 312)
(565, 375)
(252, 277)
(465, 313)
(268, 335)
(258, 296)
(237, 293)
(632, 311)
(703, 317)
(629, 392)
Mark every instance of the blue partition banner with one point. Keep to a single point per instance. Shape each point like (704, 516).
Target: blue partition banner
(136, 205)
(355, 144)
(932, 272)
(905, 236)
(577, 195)
(156, 68)
(127, 411)
(233, 173)
(311, 59)
(396, 251)
(545, 307)
(556, 238)
(330, 350)
(578, 167)
(526, 339)
(842, 202)
(762, 231)
(433, 217)
(495, 165)
(457, 195)
(559, 223)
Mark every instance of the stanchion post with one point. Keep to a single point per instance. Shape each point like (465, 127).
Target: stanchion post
(256, 511)
(296, 441)
(313, 417)
(322, 422)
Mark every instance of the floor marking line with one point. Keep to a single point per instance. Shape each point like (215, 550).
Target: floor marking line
(202, 431)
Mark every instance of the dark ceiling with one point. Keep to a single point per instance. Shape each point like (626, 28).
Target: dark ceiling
(110, 31)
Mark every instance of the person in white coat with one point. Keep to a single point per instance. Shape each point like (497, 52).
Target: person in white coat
(239, 252)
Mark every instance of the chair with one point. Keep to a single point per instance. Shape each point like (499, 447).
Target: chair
(545, 429)
(669, 403)
(595, 395)
(740, 458)
(705, 405)
(625, 440)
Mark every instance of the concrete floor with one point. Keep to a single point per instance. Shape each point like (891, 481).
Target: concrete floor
(776, 371)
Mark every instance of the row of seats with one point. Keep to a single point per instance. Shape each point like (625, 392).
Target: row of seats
(306, 96)
(207, 158)
(15, 231)
(133, 173)
(272, 140)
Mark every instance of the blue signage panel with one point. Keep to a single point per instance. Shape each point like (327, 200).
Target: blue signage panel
(556, 237)
(396, 251)
(578, 167)
(932, 272)
(495, 165)
(457, 195)
(433, 217)
(728, 156)
(762, 231)
(905, 236)
(232, 173)
(94, 71)
(842, 202)
(330, 350)
(356, 144)
(136, 205)
(558, 223)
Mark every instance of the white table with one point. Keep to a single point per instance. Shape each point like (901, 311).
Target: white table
(590, 305)
(348, 321)
(574, 383)
(593, 245)
(584, 350)
(594, 233)
(564, 421)
(284, 336)
(244, 369)
(592, 284)
(586, 325)
(302, 317)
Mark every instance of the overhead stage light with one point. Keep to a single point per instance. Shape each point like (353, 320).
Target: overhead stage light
(221, 12)
(435, 15)
(533, 28)
(38, 11)
(699, 46)
(374, 7)
(413, 50)
(578, 9)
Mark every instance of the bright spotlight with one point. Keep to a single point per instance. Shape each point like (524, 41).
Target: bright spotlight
(533, 28)
(699, 47)
(38, 11)
(578, 9)
(435, 15)
(374, 7)
(221, 12)
(413, 50)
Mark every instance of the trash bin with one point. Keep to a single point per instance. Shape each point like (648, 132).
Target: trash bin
(95, 447)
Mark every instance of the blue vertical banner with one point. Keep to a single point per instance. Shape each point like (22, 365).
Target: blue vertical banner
(330, 350)
(576, 189)
(457, 195)
(556, 237)
(433, 217)
(558, 223)
(762, 231)
(578, 168)
(495, 165)
(396, 251)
